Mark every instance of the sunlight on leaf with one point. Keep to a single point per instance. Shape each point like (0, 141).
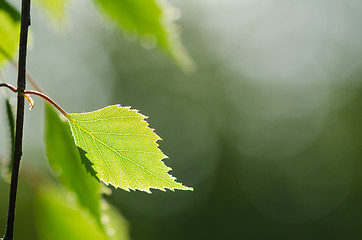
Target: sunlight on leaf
(123, 149)
(152, 22)
(9, 30)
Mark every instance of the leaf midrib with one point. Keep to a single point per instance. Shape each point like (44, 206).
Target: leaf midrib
(85, 143)
(110, 148)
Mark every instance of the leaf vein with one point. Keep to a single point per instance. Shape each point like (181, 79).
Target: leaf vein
(105, 119)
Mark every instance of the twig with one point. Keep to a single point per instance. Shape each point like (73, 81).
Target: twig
(25, 23)
(40, 94)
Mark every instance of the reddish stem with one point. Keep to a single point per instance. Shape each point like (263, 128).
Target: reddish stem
(40, 94)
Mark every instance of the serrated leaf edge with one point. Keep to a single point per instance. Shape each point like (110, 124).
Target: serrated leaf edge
(155, 142)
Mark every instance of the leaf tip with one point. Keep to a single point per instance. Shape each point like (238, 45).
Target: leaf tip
(185, 188)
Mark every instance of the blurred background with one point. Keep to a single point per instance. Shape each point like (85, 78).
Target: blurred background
(267, 129)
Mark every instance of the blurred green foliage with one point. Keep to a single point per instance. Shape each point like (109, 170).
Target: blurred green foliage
(9, 30)
(58, 217)
(151, 22)
(267, 130)
(65, 161)
(55, 9)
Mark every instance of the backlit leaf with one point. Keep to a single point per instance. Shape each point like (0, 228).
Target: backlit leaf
(123, 149)
(9, 30)
(151, 21)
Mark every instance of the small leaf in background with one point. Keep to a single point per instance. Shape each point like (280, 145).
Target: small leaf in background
(11, 122)
(123, 149)
(114, 224)
(55, 10)
(65, 160)
(59, 217)
(152, 21)
(9, 30)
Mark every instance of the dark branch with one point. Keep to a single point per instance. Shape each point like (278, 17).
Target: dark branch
(25, 23)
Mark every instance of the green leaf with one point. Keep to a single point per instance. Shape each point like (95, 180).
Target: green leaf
(9, 30)
(58, 217)
(123, 149)
(115, 225)
(65, 160)
(11, 122)
(54, 9)
(152, 21)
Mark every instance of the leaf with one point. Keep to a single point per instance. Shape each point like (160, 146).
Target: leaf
(59, 218)
(9, 30)
(65, 160)
(114, 224)
(123, 149)
(152, 21)
(54, 9)
(6, 165)
(11, 122)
